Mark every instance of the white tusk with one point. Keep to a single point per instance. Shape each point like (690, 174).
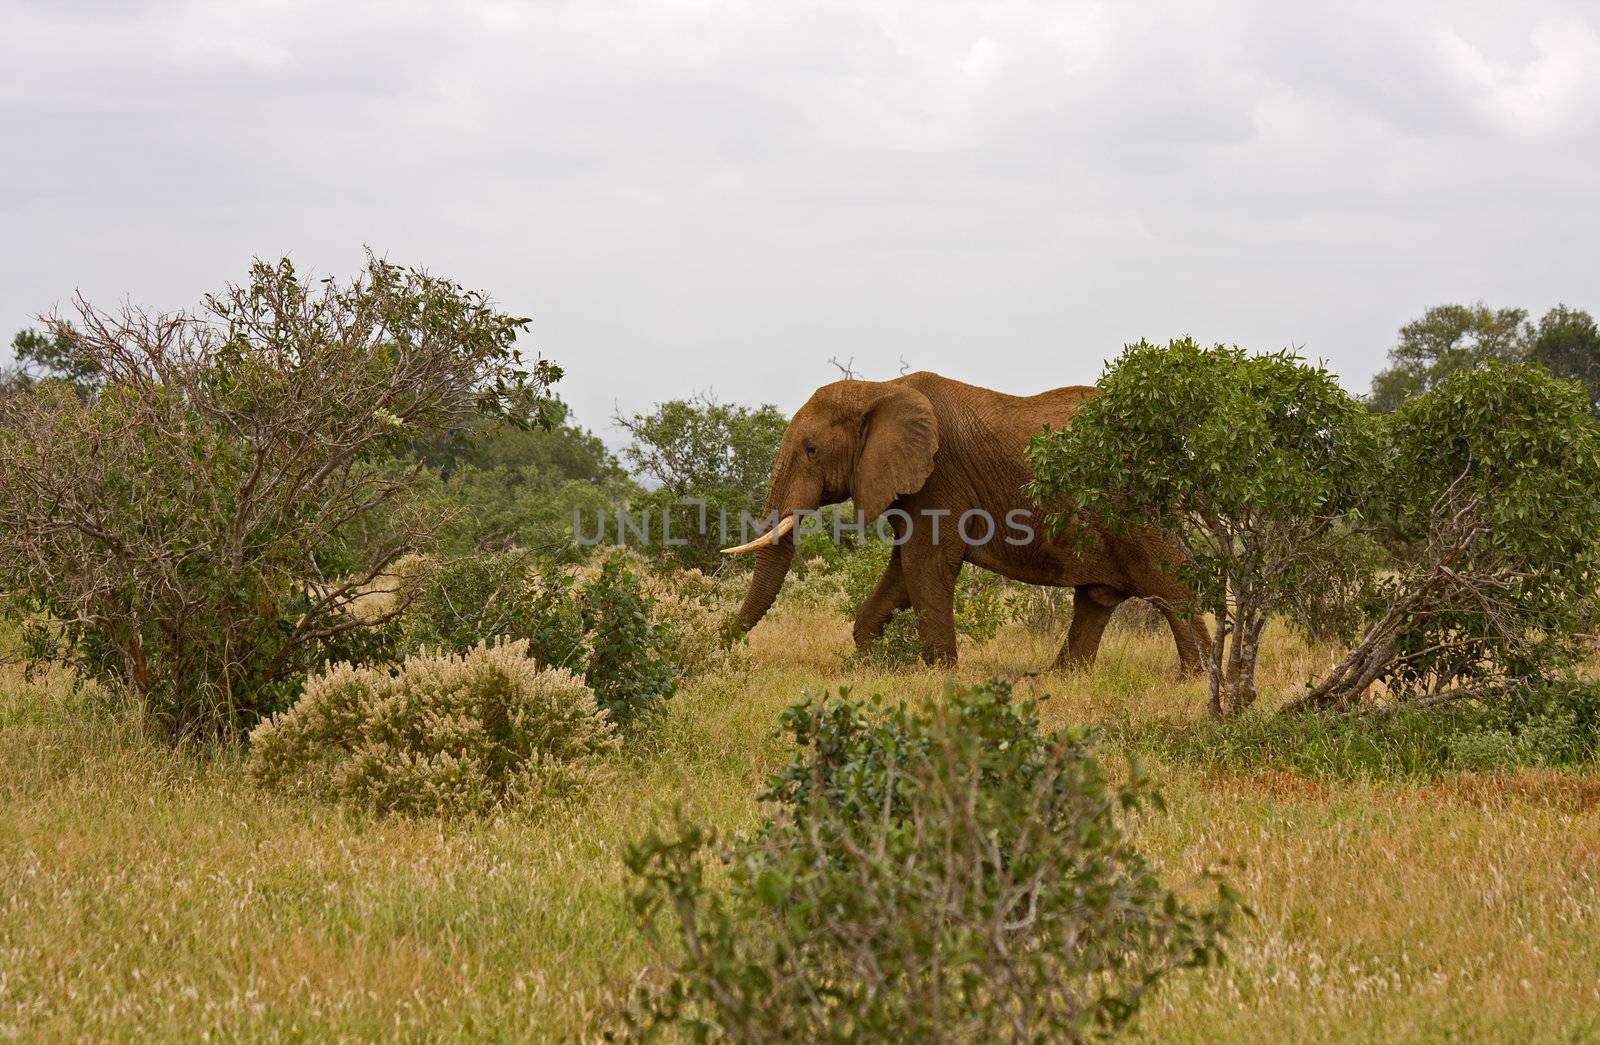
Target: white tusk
(784, 526)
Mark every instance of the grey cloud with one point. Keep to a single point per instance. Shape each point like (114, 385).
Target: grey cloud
(697, 194)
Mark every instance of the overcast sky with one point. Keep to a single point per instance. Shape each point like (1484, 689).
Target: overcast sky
(690, 196)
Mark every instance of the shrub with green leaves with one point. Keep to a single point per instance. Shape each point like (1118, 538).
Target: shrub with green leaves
(941, 874)
(1557, 724)
(190, 517)
(440, 734)
(1250, 468)
(602, 625)
(629, 657)
(463, 602)
(1488, 497)
(1552, 725)
(1521, 454)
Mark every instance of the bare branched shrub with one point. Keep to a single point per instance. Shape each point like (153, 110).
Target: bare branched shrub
(943, 875)
(440, 734)
(188, 526)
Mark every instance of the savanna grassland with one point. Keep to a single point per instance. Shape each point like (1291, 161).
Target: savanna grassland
(147, 892)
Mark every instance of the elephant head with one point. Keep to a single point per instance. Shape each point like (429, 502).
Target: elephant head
(872, 441)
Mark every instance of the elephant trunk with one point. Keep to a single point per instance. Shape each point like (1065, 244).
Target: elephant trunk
(776, 556)
(772, 566)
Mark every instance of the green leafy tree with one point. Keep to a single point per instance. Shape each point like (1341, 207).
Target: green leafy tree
(949, 873)
(1447, 339)
(1250, 467)
(190, 528)
(499, 486)
(52, 355)
(715, 453)
(1567, 341)
(561, 448)
(1489, 492)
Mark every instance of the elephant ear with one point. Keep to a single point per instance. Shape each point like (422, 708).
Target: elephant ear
(899, 438)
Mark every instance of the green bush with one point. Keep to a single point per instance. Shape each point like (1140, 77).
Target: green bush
(440, 734)
(1510, 457)
(1575, 703)
(1487, 750)
(947, 874)
(1552, 725)
(1249, 469)
(601, 625)
(629, 655)
(463, 602)
(1406, 745)
(190, 519)
(899, 646)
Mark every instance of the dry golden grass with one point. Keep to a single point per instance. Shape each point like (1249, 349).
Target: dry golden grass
(145, 893)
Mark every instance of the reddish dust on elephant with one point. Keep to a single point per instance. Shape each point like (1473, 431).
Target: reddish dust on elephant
(924, 453)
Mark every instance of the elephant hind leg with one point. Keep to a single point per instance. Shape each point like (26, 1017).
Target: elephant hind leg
(1192, 637)
(930, 573)
(1092, 606)
(1155, 581)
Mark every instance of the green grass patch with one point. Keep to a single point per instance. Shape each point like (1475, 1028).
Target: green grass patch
(1552, 727)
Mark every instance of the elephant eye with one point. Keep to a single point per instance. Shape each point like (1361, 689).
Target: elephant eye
(811, 450)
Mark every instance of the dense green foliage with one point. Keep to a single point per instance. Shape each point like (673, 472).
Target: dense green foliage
(192, 526)
(1453, 338)
(1487, 499)
(602, 626)
(1453, 544)
(1249, 466)
(459, 603)
(438, 734)
(53, 355)
(1567, 343)
(499, 486)
(1555, 724)
(1447, 339)
(1505, 461)
(630, 661)
(700, 450)
(948, 874)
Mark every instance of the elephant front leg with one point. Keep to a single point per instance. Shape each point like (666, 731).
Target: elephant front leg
(888, 596)
(930, 578)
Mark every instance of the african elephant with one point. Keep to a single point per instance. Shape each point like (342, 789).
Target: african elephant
(925, 451)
